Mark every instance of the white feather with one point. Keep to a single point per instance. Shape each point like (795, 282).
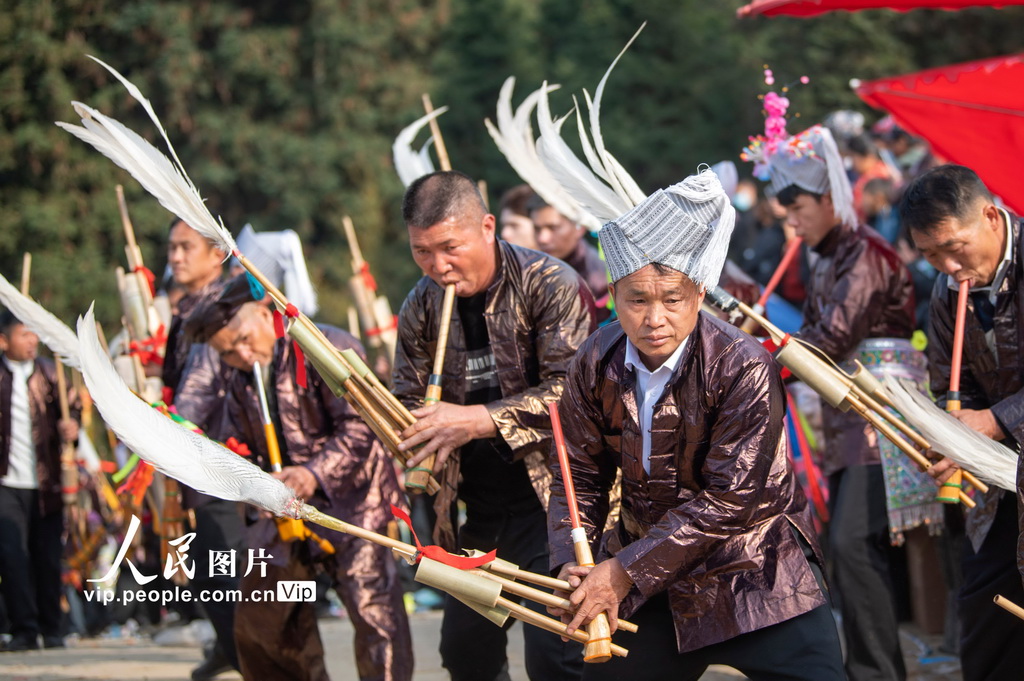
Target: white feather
(54, 333)
(986, 458)
(411, 164)
(172, 449)
(575, 177)
(615, 174)
(514, 138)
(167, 181)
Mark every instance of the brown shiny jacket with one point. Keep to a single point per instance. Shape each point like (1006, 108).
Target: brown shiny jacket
(321, 432)
(713, 523)
(859, 289)
(538, 312)
(44, 407)
(987, 380)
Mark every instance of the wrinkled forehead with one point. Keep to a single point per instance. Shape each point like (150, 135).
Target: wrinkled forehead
(460, 228)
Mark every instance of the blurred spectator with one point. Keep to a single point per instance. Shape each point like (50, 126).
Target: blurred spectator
(879, 213)
(867, 166)
(769, 236)
(913, 156)
(514, 219)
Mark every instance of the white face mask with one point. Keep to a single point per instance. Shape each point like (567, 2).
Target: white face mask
(742, 201)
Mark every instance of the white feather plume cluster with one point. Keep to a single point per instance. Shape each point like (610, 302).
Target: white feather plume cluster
(513, 135)
(602, 186)
(54, 333)
(173, 449)
(983, 456)
(164, 179)
(410, 163)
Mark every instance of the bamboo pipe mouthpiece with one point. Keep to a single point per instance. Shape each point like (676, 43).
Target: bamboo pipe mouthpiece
(1009, 606)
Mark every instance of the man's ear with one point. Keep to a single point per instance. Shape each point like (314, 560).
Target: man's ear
(992, 216)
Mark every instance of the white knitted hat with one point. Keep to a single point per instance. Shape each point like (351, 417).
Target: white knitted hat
(685, 227)
(811, 161)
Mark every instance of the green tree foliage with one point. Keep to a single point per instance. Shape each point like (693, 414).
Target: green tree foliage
(284, 113)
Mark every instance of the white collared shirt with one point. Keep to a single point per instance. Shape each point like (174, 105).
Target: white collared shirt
(21, 467)
(650, 385)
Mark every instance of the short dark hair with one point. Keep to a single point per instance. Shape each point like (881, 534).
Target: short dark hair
(942, 193)
(861, 145)
(880, 185)
(7, 322)
(789, 195)
(515, 200)
(536, 203)
(438, 196)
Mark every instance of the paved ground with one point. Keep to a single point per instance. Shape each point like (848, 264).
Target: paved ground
(139, 659)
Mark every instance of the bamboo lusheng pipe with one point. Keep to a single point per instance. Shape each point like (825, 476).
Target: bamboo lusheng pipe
(435, 132)
(524, 614)
(324, 355)
(750, 324)
(136, 266)
(598, 648)
(395, 409)
(1008, 605)
(414, 477)
(373, 310)
(856, 396)
(536, 595)
(26, 272)
(290, 529)
(949, 492)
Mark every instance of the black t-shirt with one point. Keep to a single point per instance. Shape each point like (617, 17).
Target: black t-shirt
(488, 478)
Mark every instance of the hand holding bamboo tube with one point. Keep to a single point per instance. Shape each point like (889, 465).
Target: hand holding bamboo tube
(836, 387)
(598, 648)
(414, 476)
(949, 492)
(290, 529)
(339, 375)
(792, 249)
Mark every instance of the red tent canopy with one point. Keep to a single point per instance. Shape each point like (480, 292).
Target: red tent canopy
(807, 8)
(971, 114)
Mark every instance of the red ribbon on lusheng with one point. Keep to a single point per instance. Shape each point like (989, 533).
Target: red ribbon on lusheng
(108, 466)
(771, 347)
(237, 447)
(149, 276)
(292, 312)
(148, 349)
(434, 552)
(368, 280)
(167, 394)
(278, 324)
(376, 331)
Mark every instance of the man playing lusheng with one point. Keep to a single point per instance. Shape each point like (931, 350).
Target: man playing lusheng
(519, 318)
(330, 458)
(714, 557)
(963, 234)
(859, 305)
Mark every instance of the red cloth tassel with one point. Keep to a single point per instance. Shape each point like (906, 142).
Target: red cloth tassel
(368, 280)
(278, 324)
(772, 347)
(300, 366)
(437, 553)
(149, 276)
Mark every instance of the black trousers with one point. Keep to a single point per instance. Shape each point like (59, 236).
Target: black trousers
(218, 528)
(992, 640)
(473, 649)
(859, 551)
(30, 550)
(805, 648)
